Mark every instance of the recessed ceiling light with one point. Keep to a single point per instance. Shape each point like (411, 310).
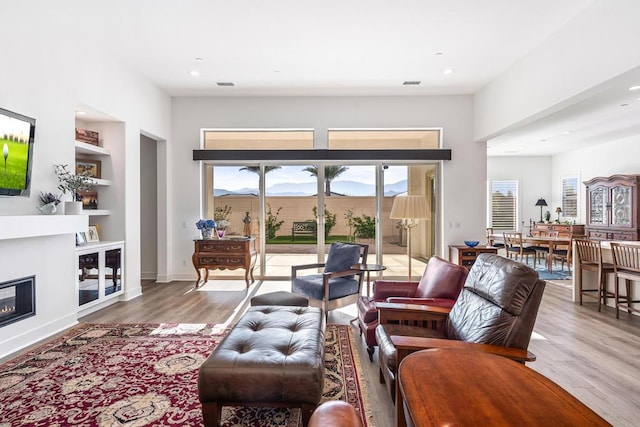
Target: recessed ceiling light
(411, 82)
(81, 113)
(439, 53)
(199, 59)
(636, 87)
(543, 140)
(194, 73)
(225, 84)
(624, 105)
(566, 132)
(447, 71)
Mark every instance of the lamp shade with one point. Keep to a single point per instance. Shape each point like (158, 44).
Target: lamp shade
(559, 209)
(541, 202)
(410, 207)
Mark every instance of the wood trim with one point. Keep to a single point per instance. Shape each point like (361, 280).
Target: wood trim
(277, 155)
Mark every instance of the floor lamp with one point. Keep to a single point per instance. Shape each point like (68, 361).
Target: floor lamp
(409, 209)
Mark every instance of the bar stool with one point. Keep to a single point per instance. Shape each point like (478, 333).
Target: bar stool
(589, 257)
(626, 264)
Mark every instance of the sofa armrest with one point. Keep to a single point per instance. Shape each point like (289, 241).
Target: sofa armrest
(432, 302)
(412, 314)
(383, 289)
(406, 345)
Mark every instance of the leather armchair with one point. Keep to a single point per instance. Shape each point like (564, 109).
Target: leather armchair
(495, 312)
(439, 286)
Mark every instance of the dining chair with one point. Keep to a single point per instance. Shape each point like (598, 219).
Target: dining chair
(515, 247)
(562, 251)
(542, 249)
(491, 240)
(626, 265)
(589, 258)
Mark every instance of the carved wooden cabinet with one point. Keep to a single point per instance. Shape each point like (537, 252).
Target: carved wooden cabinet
(223, 254)
(612, 207)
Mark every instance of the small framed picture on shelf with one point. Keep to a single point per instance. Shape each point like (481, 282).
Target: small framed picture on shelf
(88, 136)
(81, 238)
(89, 199)
(92, 234)
(92, 168)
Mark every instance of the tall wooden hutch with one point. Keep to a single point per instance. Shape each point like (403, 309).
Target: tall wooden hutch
(612, 207)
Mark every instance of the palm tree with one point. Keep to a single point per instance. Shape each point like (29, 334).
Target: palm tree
(256, 169)
(330, 173)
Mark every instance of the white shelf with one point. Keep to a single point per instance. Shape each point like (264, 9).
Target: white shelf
(96, 212)
(24, 226)
(105, 244)
(84, 148)
(102, 182)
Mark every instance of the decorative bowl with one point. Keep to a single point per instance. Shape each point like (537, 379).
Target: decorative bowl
(471, 243)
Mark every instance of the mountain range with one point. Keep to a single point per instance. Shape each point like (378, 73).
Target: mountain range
(347, 188)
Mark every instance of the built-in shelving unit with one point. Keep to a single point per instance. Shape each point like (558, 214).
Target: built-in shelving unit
(99, 264)
(99, 278)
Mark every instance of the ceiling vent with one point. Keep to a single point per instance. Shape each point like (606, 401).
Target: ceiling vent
(411, 83)
(225, 84)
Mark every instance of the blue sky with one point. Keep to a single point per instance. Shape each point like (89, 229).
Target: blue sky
(230, 178)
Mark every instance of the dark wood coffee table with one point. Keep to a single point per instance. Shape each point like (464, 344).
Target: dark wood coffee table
(471, 388)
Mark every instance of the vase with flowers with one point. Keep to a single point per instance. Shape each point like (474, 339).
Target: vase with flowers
(206, 227)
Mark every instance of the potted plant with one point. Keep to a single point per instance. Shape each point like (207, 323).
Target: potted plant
(49, 202)
(73, 183)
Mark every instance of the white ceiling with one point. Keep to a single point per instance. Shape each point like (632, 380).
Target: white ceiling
(331, 47)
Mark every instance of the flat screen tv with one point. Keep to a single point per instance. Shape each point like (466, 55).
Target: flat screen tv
(16, 142)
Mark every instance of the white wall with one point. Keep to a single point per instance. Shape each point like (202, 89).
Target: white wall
(148, 208)
(542, 176)
(595, 46)
(535, 177)
(463, 177)
(609, 158)
(48, 77)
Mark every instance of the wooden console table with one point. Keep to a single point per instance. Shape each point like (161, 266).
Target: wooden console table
(466, 256)
(490, 390)
(225, 254)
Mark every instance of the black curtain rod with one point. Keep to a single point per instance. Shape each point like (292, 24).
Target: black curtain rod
(276, 155)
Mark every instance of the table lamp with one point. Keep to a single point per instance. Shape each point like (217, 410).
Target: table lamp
(558, 211)
(409, 209)
(541, 203)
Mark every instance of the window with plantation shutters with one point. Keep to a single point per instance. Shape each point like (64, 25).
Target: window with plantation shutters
(570, 197)
(504, 205)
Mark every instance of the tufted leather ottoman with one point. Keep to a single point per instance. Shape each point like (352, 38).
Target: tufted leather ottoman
(273, 356)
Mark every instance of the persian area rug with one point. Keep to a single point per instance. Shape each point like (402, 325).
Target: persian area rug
(146, 375)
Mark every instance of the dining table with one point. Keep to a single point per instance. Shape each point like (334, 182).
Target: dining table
(549, 241)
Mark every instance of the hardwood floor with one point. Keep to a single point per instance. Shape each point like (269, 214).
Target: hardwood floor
(592, 355)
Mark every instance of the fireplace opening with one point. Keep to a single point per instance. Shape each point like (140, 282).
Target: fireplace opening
(17, 300)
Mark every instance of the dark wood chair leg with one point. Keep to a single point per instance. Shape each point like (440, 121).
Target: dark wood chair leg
(306, 410)
(211, 414)
(370, 350)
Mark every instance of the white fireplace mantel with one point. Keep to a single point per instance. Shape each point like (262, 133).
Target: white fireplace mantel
(25, 226)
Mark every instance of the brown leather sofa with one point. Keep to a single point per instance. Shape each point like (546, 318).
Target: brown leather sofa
(498, 306)
(439, 286)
